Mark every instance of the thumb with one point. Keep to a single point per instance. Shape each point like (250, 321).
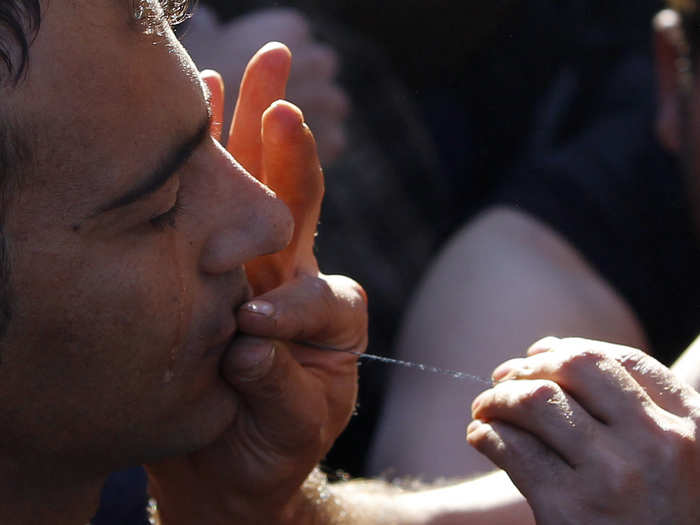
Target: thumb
(280, 400)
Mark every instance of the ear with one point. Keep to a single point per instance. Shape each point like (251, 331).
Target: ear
(215, 84)
(673, 78)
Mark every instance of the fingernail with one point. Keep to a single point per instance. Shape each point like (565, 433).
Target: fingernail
(252, 360)
(543, 345)
(501, 372)
(260, 307)
(476, 404)
(473, 426)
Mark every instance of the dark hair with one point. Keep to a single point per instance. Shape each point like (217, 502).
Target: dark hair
(19, 23)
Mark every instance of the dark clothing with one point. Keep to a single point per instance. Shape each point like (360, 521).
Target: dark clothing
(605, 184)
(124, 499)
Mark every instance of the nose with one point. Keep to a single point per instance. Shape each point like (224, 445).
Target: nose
(248, 219)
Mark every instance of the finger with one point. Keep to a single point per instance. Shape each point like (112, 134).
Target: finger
(614, 383)
(310, 309)
(294, 173)
(602, 387)
(546, 344)
(658, 381)
(215, 86)
(271, 383)
(542, 409)
(534, 469)
(289, 410)
(264, 81)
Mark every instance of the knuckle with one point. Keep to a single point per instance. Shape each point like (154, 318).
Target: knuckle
(541, 392)
(580, 360)
(275, 385)
(633, 359)
(679, 445)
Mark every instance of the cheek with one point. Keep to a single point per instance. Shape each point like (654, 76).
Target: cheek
(115, 314)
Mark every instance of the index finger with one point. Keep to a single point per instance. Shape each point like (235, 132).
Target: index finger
(603, 377)
(264, 82)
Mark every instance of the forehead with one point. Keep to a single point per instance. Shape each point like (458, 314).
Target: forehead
(101, 94)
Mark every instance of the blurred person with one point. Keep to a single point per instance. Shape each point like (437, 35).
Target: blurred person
(545, 206)
(227, 46)
(591, 235)
(597, 433)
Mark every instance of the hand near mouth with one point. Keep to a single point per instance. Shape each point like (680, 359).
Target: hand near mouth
(295, 398)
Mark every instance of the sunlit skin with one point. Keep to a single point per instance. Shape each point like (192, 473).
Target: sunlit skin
(125, 336)
(592, 432)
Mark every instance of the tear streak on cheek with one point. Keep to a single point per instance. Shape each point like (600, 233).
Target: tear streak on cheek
(179, 299)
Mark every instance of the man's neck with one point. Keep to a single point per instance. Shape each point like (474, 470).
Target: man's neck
(30, 495)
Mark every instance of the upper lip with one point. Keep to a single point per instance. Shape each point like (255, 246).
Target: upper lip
(243, 295)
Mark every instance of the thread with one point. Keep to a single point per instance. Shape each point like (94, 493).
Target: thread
(454, 374)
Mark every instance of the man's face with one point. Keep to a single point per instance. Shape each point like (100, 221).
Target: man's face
(127, 237)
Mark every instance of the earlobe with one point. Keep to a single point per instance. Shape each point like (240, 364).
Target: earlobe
(215, 84)
(674, 79)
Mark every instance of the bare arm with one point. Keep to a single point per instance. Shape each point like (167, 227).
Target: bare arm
(488, 500)
(503, 281)
(687, 367)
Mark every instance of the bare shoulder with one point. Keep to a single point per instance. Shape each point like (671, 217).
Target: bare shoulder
(509, 267)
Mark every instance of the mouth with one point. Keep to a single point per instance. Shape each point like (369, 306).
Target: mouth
(231, 331)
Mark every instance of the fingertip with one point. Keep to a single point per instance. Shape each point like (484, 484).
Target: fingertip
(283, 122)
(259, 307)
(284, 113)
(477, 404)
(476, 432)
(275, 47)
(503, 371)
(209, 74)
(546, 344)
(275, 57)
(249, 359)
(257, 317)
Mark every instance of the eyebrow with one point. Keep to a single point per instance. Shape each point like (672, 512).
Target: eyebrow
(167, 167)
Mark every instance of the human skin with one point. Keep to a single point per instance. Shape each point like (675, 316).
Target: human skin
(226, 47)
(311, 395)
(598, 433)
(122, 346)
(593, 433)
(503, 281)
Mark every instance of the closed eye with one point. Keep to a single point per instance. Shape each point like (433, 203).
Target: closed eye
(167, 219)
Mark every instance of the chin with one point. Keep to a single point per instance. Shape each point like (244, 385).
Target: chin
(207, 419)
